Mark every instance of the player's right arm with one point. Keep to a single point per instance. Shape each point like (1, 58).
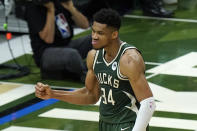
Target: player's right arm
(90, 94)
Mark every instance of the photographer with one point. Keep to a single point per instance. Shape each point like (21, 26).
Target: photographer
(50, 25)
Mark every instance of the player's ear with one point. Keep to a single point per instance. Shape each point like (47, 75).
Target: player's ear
(114, 34)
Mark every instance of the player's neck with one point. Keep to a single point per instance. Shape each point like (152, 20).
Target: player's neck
(112, 50)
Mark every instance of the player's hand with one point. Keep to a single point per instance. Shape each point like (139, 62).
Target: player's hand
(50, 6)
(68, 5)
(42, 91)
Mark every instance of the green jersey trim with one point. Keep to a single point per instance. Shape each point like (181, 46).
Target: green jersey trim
(115, 57)
(95, 58)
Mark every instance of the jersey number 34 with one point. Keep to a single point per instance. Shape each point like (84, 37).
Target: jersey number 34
(107, 98)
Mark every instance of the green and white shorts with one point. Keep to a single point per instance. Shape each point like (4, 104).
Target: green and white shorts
(103, 126)
(128, 126)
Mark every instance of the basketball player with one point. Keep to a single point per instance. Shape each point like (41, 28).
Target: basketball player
(116, 75)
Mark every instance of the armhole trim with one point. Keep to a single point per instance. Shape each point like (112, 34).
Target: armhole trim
(95, 58)
(121, 76)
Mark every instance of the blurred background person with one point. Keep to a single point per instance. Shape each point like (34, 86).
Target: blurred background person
(51, 26)
(155, 8)
(149, 7)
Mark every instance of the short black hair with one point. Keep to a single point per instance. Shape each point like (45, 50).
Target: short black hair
(109, 17)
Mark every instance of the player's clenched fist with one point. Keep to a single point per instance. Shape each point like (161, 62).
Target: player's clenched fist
(42, 91)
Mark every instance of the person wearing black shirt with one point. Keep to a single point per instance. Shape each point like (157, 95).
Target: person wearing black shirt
(51, 31)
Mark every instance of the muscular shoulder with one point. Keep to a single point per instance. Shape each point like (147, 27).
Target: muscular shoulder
(90, 58)
(131, 63)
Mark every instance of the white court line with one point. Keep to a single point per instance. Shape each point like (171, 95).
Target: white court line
(158, 18)
(180, 66)
(173, 123)
(94, 116)
(153, 63)
(16, 93)
(174, 101)
(71, 114)
(152, 75)
(19, 128)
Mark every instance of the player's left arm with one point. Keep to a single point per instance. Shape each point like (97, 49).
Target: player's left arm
(132, 66)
